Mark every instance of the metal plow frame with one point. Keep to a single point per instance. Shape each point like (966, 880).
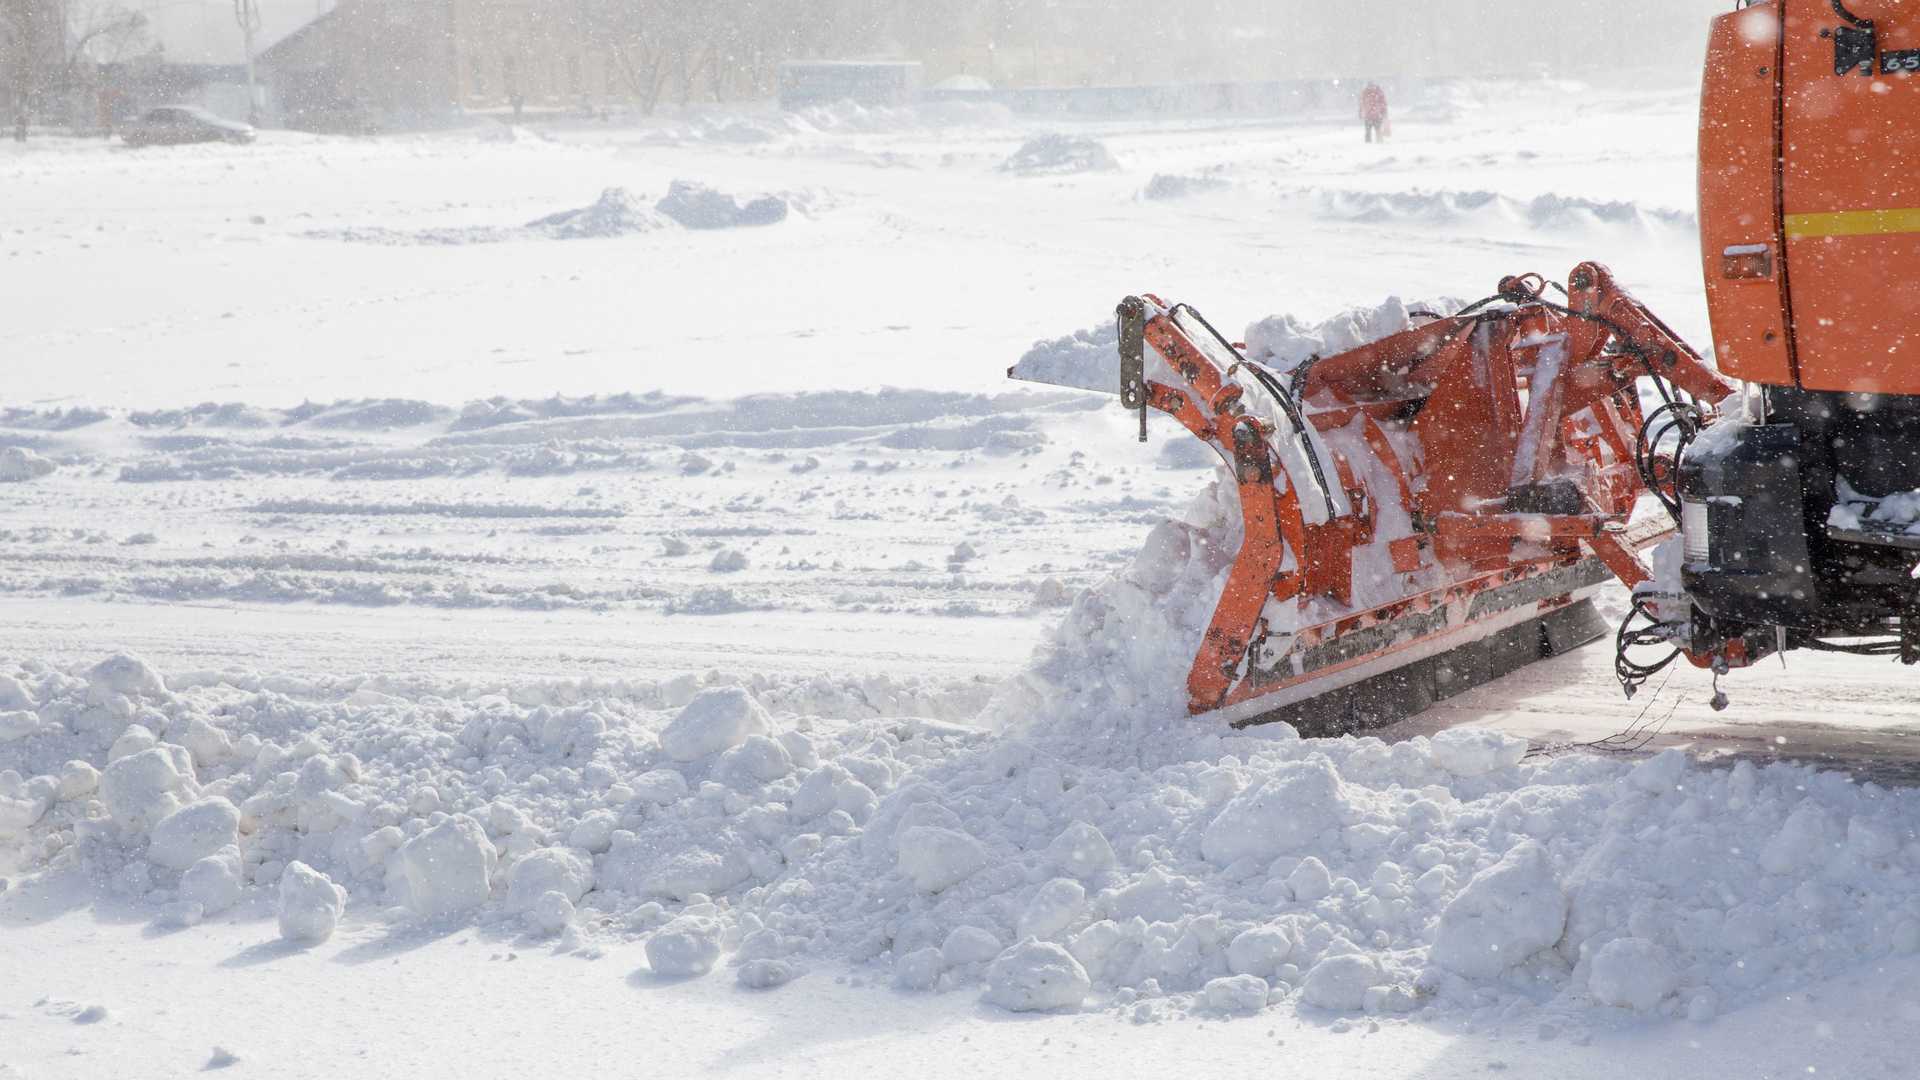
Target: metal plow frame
(1507, 433)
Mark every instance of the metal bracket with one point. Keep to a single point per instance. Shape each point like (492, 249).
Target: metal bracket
(1133, 357)
(1856, 46)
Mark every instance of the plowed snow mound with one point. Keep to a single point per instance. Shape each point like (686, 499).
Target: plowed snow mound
(1090, 359)
(616, 213)
(1159, 871)
(1550, 212)
(19, 464)
(1059, 155)
(1167, 186)
(700, 207)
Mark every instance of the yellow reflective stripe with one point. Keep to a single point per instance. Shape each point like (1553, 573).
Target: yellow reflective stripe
(1853, 223)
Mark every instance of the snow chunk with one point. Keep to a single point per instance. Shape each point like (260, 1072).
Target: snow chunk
(1631, 973)
(14, 694)
(716, 719)
(1036, 976)
(1476, 751)
(1081, 850)
(1872, 839)
(194, 832)
(1053, 908)
(19, 464)
(685, 947)
(1282, 813)
(446, 869)
(213, 882)
(1155, 896)
(593, 833)
(660, 787)
(124, 673)
(550, 912)
(758, 758)
(766, 974)
(144, 787)
(20, 808)
(692, 872)
(919, 969)
(78, 780)
(1660, 774)
(208, 744)
(1508, 912)
(1804, 840)
(131, 741)
(969, 945)
(1259, 951)
(1310, 881)
(548, 870)
(1236, 994)
(18, 724)
(310, 904)
(935, 858)
(1341, 982)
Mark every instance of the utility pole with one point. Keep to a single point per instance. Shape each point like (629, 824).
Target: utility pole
(247, 14)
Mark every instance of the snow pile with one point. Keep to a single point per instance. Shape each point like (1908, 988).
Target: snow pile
(1090, 359)
(1854, 511)
(1087, 360)
(18, 464)
(1483, 209)
(1056, 154)
(697, 206)
(1169, 186)
(617, 212)
(942, 113)
(1104, 852)
(1118, 661)
(1283, 342)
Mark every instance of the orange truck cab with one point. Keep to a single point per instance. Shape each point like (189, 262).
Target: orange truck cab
(1809, 215)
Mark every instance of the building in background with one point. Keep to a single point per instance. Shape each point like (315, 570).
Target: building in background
(376, 64)
(381, 64)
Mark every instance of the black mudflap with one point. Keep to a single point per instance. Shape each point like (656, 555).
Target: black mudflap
(1401, 693)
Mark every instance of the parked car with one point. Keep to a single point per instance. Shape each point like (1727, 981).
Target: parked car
(172, 124)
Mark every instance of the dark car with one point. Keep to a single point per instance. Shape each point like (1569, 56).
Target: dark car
(172, 124)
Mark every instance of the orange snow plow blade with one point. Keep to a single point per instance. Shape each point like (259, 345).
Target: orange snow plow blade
(1423, 513)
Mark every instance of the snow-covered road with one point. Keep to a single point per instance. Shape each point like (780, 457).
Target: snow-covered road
(680, 590)
(471, 1006)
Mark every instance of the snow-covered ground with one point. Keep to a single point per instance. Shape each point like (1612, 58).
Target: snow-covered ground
(630, 617)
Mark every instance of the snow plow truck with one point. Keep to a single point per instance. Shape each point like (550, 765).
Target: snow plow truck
(1437, 508)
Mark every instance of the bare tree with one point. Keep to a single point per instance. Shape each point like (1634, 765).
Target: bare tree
(634, 33)
(724, 48)
(50, 49)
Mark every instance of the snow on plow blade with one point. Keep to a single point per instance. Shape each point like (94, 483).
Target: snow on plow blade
(1421, 514)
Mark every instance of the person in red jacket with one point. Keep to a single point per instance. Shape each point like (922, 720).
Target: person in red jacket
(1373, 112)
